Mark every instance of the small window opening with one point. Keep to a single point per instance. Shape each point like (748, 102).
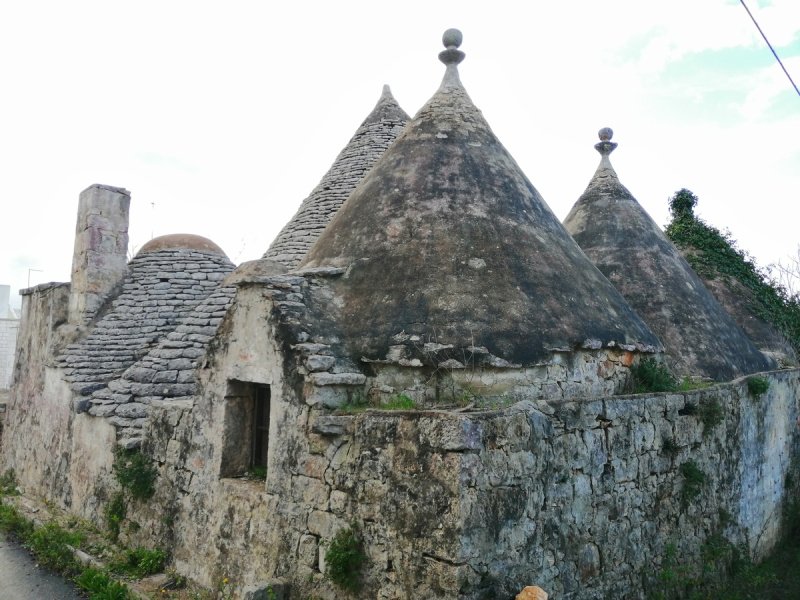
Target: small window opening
(245, 444)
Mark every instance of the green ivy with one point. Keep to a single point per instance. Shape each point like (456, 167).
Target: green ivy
(715, 255)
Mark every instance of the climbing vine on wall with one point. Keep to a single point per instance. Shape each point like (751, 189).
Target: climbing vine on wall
(715, 255)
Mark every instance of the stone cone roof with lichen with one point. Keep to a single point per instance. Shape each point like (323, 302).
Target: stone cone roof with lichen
(369, 142)
(446, 240)
(617, 234)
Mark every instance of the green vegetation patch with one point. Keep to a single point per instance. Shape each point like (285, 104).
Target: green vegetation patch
(135, 473)
(139, 562)
(757, 386)
(8, 484)
(399, 402)
(693, 481)
(724, 571)
(711, 414)
(344, 559)
(650, 375)
(715, 255)
(100, 586)
(115, 514)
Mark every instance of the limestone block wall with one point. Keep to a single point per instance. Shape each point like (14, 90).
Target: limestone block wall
(37, 427)
(8, 342)
(581, 497)
(578, 496)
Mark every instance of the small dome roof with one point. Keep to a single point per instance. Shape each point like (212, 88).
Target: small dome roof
(175, 241)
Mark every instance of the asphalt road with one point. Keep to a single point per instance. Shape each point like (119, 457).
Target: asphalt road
(22, 579)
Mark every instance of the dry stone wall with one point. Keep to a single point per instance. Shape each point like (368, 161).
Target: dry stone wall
(8, 341)
(581, 497)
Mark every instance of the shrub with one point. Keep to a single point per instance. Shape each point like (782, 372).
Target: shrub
(100, 586)
(693, 481)
(670, 446)
(682, 204)
(344, 558)
(51, 545)
(13, 523)
(711, 414)
(139, 562)
(135, 473)
(715, 255)
(650, 375)
(757, 385)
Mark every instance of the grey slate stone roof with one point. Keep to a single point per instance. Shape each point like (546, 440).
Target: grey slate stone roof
(165, 283)
(167, 372)
(375, 134)
(447, 241)
(618, 235)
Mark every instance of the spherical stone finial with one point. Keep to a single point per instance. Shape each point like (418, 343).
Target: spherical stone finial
(605, 134)
(452, 38)
(451, 56)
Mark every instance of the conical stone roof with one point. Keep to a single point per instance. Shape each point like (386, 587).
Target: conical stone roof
(369, 142)
(618, 235)
(447, 240)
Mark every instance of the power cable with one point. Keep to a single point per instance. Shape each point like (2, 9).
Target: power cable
(775, 54)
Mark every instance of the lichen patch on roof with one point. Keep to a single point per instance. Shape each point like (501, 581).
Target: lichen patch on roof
(447, 240)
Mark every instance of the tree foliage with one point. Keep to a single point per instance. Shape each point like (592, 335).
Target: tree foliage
(715, 255)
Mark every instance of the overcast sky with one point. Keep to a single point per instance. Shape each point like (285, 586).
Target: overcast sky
(220, 117)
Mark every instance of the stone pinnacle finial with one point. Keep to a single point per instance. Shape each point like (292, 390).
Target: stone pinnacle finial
(452, 39)
(605, 146)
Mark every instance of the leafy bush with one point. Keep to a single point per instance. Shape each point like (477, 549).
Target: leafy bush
(139, 562)
(711, 414)
(757, 386)
(135, 473)
(100, 586)
(650, 375)
(13, 523)
(714, 254)
(670, 446)
(344, 558)
(693, 481)
(51, 545)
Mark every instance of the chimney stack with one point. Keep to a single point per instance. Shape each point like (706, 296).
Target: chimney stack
(99, 262)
